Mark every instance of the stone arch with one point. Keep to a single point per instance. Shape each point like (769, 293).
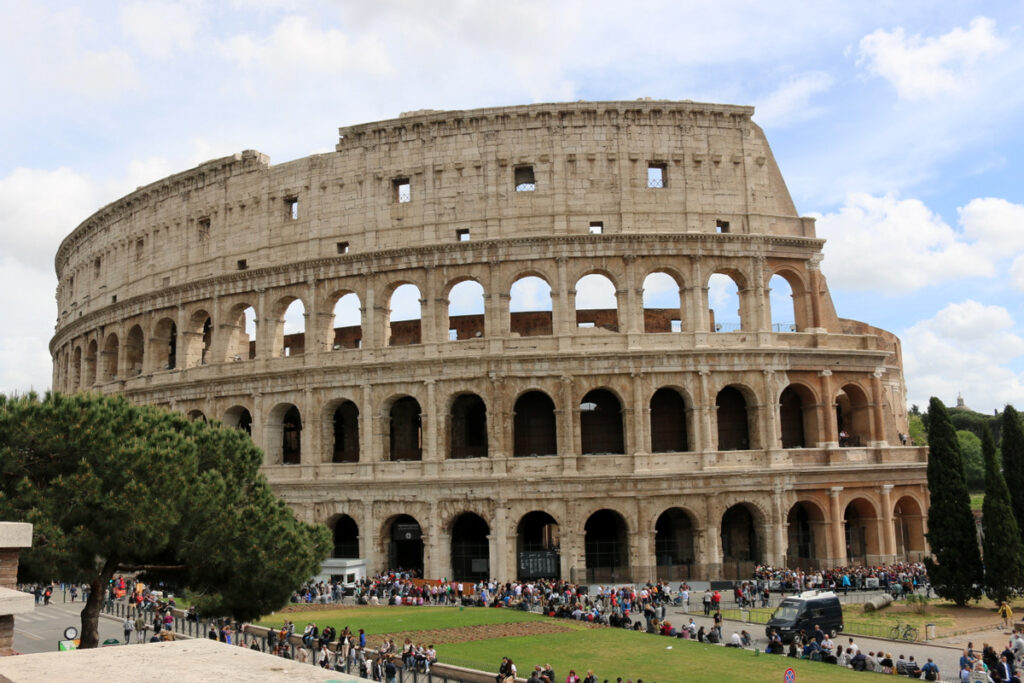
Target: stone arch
(90, 361)
(346, 537)
(196, 414)
(289, 326)
(727, 301)
(595, 302)
(197, 339)
(530, 305)
(239, 418)
(670, 418)
(534, 425)
(345, 329)
(807, 532)
(467, 427)
(788, 300)
(674, 544)
(342, 419)
(908, 521)
(663, 302)
(798, 416)
(538, 554)
(243, 328)
(403, 324)
(108, 358)
(405, 429)
(853, 416)
(743, 541)
(284, 435)
(737, 426)
(606, 547)
(134, 351)
(164, 344)
(76, 368)
(465, 299)
(470, 547)
(601, 423)
(402, 539)
(861, 532)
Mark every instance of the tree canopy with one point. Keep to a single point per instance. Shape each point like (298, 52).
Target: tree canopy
(974, 463)
(1004, 556)
(955, 566)
(111, 487)
(1013, 460)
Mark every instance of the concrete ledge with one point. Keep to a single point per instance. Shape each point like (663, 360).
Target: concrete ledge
(15, 535)
(16, 602)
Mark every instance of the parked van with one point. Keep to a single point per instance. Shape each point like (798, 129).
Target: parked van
(803, 611)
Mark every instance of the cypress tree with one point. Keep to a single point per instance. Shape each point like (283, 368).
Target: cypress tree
(1013, 461)
(954, 568)
(1004, 552)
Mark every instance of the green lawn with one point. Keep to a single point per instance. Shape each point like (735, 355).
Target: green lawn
(609, 652)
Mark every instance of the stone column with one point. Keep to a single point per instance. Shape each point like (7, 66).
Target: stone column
(641, 441)
(265, 327)
(631, 303)
(499, 549)
(778, 529)
(710, 439)
(878, 438)
(370, 326)
(369, 448)
(838, 527)
(829, 436)
(312, 431)
(431, 421)
(567, 423)
(562, 312)
(814, 288)
(770, 417)
(888, 536)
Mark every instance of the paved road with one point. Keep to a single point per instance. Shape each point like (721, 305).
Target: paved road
(40, 630)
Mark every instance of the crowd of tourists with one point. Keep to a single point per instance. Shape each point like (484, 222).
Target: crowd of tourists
(902, 576)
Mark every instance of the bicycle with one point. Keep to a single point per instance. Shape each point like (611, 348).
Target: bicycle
(905, 632)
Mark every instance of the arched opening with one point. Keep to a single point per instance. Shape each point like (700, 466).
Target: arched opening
(291, 437)
(90, 363)
(76, 368)
(346, 538)
(853, 417)
(741, 546)
(405, 544)
(861, 522)
(197, 337)
(537, 547)
(601, 423)
(347, 324)
(242, 336)
(783, 305)
(466, 311)
(807, 536)
(673, 545)
(793, 414)
(470, 548)
(530, 307)
(346, 433)
(725, 314)
(406, 434)
(662, 303)
(293, 328)
(196, 414)
(909, 528)
(668, 422)
(165, 345)
(607, 547)
(134, 351)
(239, 418)
(468, 427)
(108, 359)
(733, 421)
(534, 425)
(404, 321)
(596, 303)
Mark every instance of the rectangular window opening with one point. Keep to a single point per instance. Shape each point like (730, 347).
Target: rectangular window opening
(113, 298)
(657, 175)
(462, 234)
(453, 335)
(242, 265)
(96, 267)
(585, 324)
(342, 247)
(140, 247)
(722, 226)
(677, 325)
(524, 179)
(403, 190)
(291, 207)
(204, 229)
(596, 227)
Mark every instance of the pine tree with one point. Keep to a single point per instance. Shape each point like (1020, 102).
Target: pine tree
(1004, 551)
(955, 566)
(1013, 461)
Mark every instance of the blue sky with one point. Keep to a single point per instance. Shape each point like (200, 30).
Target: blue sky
(896, 124)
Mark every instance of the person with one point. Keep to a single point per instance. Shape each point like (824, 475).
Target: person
(550, 673)
(572, 677)
(390, 670)
(128, 627)
(886, 663)
(930, 670)
(735, 640)
(140, 628)
(1005, 671)
(1005, 613)
(590, 678)
(718, 623)
(430, 657)
(212, 633)
(325, 656)
(707, 602)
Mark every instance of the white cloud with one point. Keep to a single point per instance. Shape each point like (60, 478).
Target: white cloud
(466, 298)
(160, 28)
(996, 225)
(791, 102)
(405, 303)
(529, 293)
(921, 68)
(965, 348)
(595, 292)
(895, 246)
(1017, 273)
(28, 323)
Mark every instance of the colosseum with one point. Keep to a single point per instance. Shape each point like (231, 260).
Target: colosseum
(484, 343)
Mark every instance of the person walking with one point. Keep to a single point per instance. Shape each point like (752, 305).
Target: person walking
(128, 628)
(140, 628)
(1006, 614)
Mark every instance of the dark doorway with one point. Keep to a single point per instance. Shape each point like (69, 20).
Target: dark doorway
(405, 549)
(673, 545)
(537, 547)
(601, 423)
(346, 433)
(291, 437)
(534, 425)
(668, 422)
(607, 547)
(346, 538)
(733, 431)
(470, 551)
(791, 417)
(406, 430)
(468, 427)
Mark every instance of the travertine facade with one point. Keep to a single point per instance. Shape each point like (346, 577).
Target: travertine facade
(531, 434)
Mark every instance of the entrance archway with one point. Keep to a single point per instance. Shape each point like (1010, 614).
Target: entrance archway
(346, 538)
(806, 536)
(909, 523)
(673, 545)
(470, 548)
(607, 547)
(537, 547)
(861, 523)
(741, 544)
(404, 539)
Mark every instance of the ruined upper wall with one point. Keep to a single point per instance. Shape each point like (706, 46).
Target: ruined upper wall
(589, 163)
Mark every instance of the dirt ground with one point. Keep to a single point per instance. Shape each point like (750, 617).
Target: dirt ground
(463, 634)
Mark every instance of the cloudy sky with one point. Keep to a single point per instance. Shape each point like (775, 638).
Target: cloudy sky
(897, 124)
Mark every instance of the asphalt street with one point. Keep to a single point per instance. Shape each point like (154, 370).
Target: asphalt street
(40, 630)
